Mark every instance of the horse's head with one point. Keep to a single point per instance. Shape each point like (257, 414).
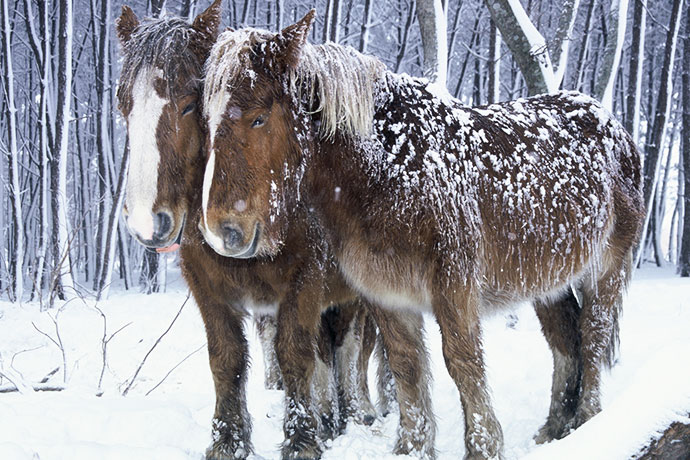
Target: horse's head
(159, 92)
(254, 139)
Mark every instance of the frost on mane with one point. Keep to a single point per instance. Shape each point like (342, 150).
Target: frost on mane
(334, 80)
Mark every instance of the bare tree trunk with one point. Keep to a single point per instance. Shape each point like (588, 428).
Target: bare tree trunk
(632, 119)
(584, 48)
(103, 117)
(245, 13)
(473, 45)
(684, 257)
(366, 20)
(560, 45)
(156, 7)
(494, 89)
(656, 136)
(433, 26)
(113, 223)
(58, 179)
(402, 47)
(334, 28)
(608, 67)
(525, 43)
(17, 255)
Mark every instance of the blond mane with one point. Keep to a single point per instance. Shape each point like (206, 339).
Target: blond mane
(339, 78)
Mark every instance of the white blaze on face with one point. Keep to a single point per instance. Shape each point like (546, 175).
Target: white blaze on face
(142, 181)
(214, 112)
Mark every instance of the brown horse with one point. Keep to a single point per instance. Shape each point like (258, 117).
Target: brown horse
(159, 95)
(428, 204)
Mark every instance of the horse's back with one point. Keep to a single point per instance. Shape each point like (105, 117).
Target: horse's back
(530, 185)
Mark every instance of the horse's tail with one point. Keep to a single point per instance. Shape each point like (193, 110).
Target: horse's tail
(611, 352)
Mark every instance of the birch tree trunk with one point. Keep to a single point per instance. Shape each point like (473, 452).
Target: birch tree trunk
(432, 23)
(610, 60)
(657, 134)
(62, 276)
(684, 257)
(16, 269)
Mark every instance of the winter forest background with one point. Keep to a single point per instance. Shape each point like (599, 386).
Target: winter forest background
(64, 146)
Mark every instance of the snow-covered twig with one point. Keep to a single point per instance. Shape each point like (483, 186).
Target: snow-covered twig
(58, 343)
(104, 347)
(174, 367)
(134, 377)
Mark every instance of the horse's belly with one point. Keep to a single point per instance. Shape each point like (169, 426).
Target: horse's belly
(385, 279)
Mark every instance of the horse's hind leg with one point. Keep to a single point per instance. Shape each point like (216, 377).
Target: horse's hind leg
(602, 296)
(266, 326)
(353, 345)
(403, 340)
(324, 379)
(559, 319)
(367, 326)
(384, 379)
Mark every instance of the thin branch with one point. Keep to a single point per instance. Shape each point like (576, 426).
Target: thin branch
(131, 382)
(175, 367)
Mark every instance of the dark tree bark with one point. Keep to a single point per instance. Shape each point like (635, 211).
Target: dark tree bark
(494, 64)
(535, 65)
(632, 118)
(364, 33)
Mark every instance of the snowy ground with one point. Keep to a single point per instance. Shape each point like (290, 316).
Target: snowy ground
(649, 387)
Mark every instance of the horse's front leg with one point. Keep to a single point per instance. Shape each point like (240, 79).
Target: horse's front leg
(299, 316)
(457, 315)
(228, 353)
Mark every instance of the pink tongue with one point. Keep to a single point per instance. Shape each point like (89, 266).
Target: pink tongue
(171, 248)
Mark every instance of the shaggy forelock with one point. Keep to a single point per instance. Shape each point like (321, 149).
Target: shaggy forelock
(164, 44)
(336, 80)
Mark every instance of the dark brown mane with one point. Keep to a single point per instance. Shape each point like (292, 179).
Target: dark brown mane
(169, 44)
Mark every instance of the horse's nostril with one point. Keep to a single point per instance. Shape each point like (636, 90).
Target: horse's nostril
(162, 224)
(232, 235)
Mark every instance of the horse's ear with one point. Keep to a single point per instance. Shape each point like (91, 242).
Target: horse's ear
(126, 24)
(292, 40)
(208, 22)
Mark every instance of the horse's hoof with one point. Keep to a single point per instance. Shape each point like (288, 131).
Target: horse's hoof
(226, 452)
(330, 427)
(403, 447)
(303, 453)
(368, 420)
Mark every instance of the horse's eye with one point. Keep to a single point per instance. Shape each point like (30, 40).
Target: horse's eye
(259, 122)
(188, 108)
